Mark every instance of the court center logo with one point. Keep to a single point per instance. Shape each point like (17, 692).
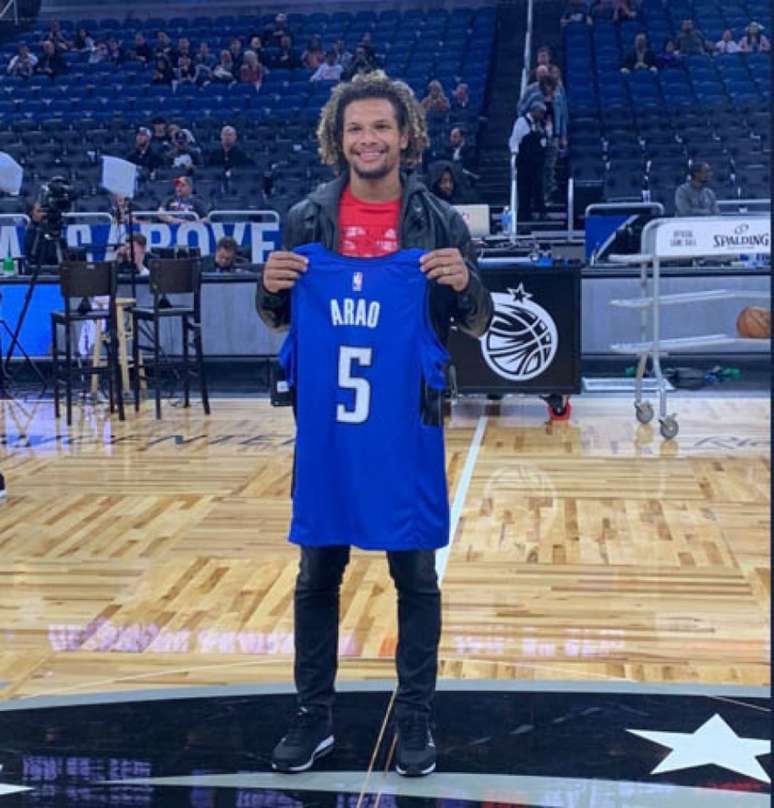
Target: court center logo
(522, 340)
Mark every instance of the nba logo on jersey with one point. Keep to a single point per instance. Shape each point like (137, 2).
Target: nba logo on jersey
(357, 282)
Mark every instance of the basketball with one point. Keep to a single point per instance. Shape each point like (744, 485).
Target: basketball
(754, 322)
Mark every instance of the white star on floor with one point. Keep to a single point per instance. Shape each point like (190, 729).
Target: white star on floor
(713, 742)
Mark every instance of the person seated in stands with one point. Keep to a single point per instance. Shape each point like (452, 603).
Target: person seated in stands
(99, 53)
(142, 51)
(23, 64)
(694, 198)
(83, 42)
(602, 10)
(160, 132)
(184, 153)
(458, 151)
(343, 56)
(727, 43)
(328, 70)
(625, 11)
(162, 71)
(183, 49)
(435, 102)
(641, 57)
(56, 36)
(754, 40)
(360, 64)
(576, 11)
(115, 53)
(144, 155)
(163, 45)
(237, 54)
(204, 62)
(446, 180)
(287, 58)
(37, 248)
(670, 56)
(226, 258)
(123, 255)
(367, 45)
(223, 72)
(182, 200)
(185, 72)
(460, 98)
(274, 32)
(690, 40)
(544, 58)
(255, 44)
(229, 154)
(51, 62)
(251, 71)
(314, 55)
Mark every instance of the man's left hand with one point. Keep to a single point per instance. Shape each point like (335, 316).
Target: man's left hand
(447, 267)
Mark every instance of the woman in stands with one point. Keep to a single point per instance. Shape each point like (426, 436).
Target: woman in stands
(84, 41)
(251, 71)
(314, 55)
(224, 71)
(162, 73)
(754, 40)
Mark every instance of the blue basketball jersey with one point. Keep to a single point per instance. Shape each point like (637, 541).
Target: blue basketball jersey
(368, 471)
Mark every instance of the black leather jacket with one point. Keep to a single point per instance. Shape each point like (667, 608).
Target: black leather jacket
(426, 222)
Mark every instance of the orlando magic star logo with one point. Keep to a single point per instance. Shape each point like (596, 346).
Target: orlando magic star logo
(522, 340)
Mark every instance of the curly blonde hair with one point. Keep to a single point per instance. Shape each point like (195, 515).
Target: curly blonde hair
(410, 115)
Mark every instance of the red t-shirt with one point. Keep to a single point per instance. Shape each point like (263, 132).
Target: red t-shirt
(367, 229)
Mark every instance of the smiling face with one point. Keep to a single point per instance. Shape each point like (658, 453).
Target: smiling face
(372, 140)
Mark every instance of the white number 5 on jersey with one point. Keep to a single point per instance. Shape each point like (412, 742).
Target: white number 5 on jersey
(362, 388)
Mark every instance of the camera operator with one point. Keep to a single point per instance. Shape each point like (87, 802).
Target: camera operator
(40, 244)
(124, 255)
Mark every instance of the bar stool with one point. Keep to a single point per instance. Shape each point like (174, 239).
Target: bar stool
(170, 276)
(81, 279)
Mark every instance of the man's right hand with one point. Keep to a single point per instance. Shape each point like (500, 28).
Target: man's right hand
(282, 270)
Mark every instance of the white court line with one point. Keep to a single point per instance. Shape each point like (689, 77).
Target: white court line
(442, 556)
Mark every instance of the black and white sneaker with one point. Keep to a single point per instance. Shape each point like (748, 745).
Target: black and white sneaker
(2, 486)
(309, 737)
(415, 755)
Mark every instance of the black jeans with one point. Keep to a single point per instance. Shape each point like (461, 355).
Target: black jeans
(317, 626)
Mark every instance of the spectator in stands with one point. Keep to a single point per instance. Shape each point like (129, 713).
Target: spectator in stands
(458, 151)
(51, 62)
(435, 102)
(528, 142)
(144, 154)
(115, 53)
(161, 137)
(446, 181)
(162, 71)
(602, 10)
(183, 49)
(287, 58)
(99, 53)
(551, 95)
(544, 58)
(83, 42)
(163, 44)
(754, 40)
(314, 55)
(56, 36)
(576, 11)
(367, 45)
(182, 200)
(694, 198)
(229, 154)
(690, 41)
(226, 258)
(461, 111)
(204, 63)
(235, 49)
(343, 56)
(625, 11)
(256, 46)
(360, 65)
(274, 32)
(142, 51)
(23, 64)
(251, 71)
(727, 43)
(185, 72)
(184, 154)
(328, 70)
(641, 57)
(123, 255)
(223, 72)
(670, 56)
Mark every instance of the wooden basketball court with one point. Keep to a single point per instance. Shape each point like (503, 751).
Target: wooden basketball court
(151, 554)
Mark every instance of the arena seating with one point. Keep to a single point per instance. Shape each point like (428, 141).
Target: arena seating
(61, 126)
(626, 128)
